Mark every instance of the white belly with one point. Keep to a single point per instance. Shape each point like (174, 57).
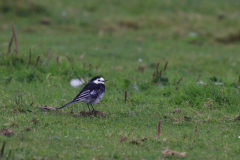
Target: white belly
(98, 99)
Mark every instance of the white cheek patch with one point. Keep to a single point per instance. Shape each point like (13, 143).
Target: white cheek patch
(99, 81)
(96, 81)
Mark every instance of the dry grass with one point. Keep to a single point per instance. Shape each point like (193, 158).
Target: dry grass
(168, 152)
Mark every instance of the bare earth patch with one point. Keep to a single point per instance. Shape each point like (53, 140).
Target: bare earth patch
(8, 132)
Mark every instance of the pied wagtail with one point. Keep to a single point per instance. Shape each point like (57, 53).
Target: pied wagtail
(91, 94)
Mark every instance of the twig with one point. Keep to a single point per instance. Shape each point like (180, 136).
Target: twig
(3, 146)
(30, 56)
(157, 66)
(15, 40)
(153, 76)
(179, 80)
(196, 130)
(159, 129)
(36, 61)
(198, 77)
(125, 96)
(58, 61)
(10, 45)
(165, 67)
(10, 58)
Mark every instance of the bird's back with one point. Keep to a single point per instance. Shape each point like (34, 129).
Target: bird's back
(90, 93)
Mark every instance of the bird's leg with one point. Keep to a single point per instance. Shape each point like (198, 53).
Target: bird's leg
(93, 108)
(88, 106)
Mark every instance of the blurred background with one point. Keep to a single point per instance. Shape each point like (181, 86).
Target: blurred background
(198, 21)
(121, 30)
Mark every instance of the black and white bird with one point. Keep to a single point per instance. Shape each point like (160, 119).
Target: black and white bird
(91, 94)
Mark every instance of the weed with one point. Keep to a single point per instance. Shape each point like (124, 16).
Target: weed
(158, 77)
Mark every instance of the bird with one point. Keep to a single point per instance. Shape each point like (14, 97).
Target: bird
(91, 94)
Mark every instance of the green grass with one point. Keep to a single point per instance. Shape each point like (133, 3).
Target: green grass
(112, 36)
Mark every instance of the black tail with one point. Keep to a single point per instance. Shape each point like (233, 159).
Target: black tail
(66, 105)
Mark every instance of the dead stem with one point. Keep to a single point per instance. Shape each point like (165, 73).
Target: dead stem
(15, 41)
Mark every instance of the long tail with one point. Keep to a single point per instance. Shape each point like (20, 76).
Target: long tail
(66, 105)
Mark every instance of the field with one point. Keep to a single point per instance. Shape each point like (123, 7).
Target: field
(194, 91)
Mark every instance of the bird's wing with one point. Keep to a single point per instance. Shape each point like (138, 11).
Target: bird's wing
(82, 95)
(88, 90)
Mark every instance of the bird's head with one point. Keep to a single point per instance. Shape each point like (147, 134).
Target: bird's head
(98, 80)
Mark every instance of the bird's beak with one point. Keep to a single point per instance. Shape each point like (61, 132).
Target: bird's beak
(105, 81)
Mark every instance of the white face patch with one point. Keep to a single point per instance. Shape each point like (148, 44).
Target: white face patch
(99, 81)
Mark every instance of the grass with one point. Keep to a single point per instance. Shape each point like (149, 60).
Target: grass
(112, 37)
